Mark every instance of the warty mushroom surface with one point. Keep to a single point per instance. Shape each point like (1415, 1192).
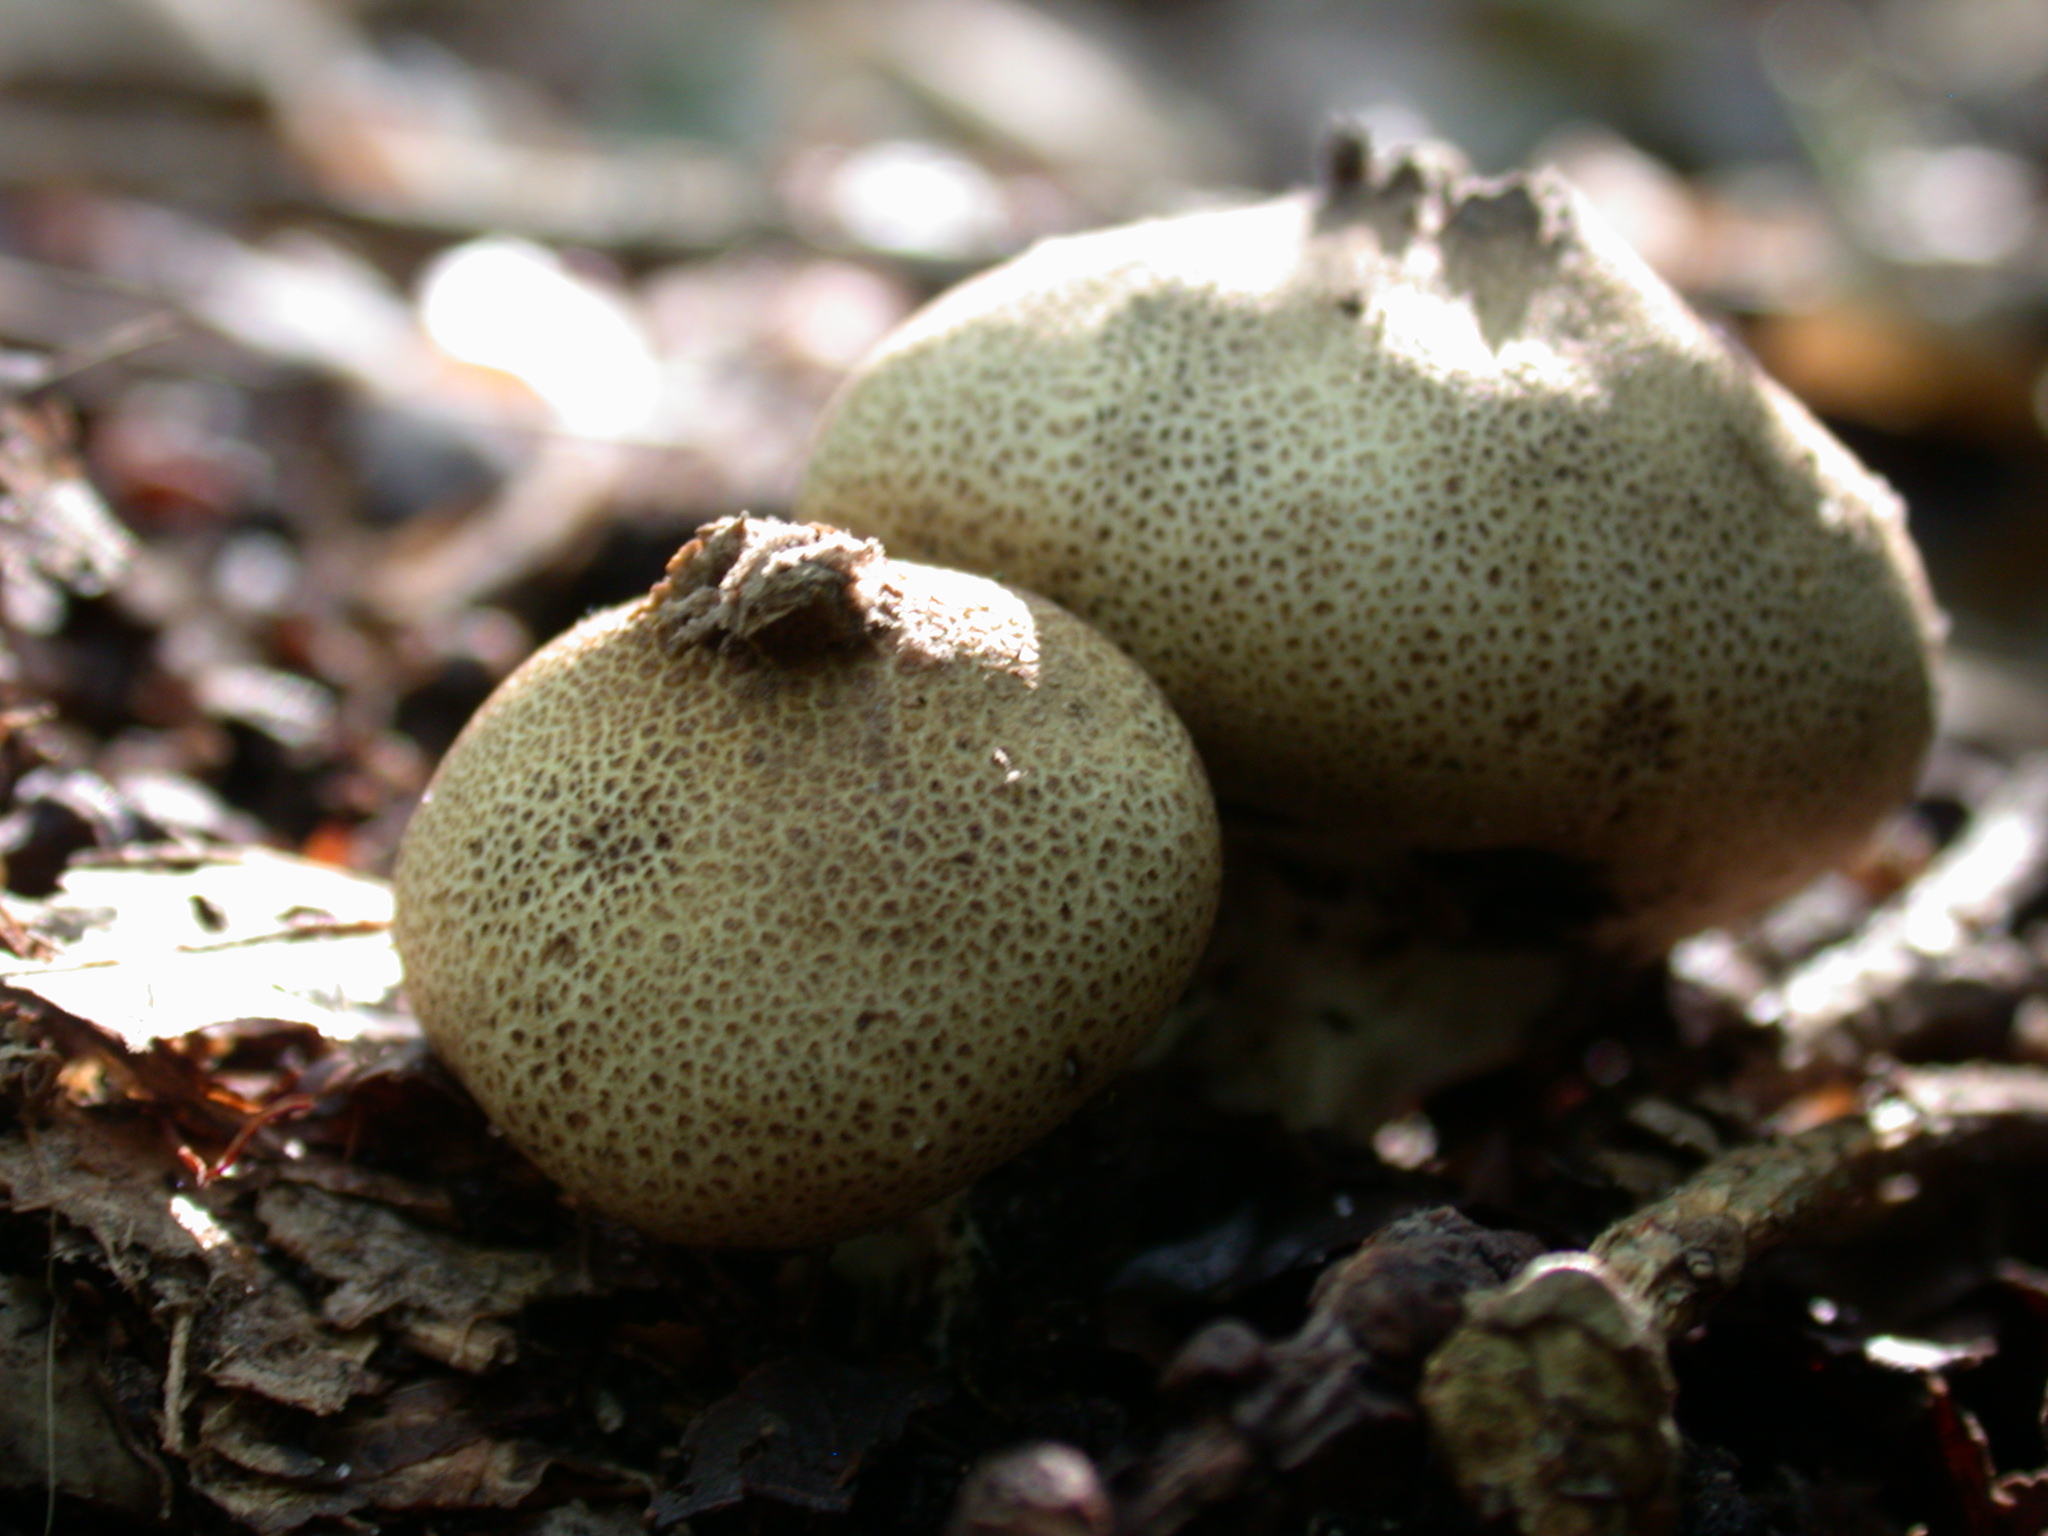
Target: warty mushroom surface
(1466, 550)
(799, 893)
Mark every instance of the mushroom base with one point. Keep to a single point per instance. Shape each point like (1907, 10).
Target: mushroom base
(1334, 997)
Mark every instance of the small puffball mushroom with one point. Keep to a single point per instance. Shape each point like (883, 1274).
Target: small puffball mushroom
(1459, 542)
(797, 894)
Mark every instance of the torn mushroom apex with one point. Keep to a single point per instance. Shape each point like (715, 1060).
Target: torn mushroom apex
(774, 585)
(796, 895)
(1455, 537)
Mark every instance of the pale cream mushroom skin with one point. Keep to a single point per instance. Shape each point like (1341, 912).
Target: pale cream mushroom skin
(806, 889)
(1454, 536)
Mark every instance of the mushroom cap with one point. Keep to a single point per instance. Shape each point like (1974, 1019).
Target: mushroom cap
(761, 944)
(1450, 531)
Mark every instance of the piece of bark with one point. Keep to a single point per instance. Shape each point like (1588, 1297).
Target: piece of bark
(1372, 1320)
(1546, 1401)
(1552, 1402)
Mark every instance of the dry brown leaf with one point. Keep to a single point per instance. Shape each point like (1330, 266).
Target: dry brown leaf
(245, 1324)
(94, 1461)
(381, 1262)
(419, 1448)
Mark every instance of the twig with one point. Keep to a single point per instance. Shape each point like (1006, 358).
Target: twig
(1552, 1400)
(282, 1108)
(174, 1381)
(1865, 990)
(123, 340)
(19, 941)
(1676, 1255)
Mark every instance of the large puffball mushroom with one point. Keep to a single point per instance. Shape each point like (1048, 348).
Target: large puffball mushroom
(1459, 542)
(797, 894)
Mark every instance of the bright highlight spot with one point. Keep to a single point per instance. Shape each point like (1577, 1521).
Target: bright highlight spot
(1963, 203)
(1919, 1355)
(206, 1232)
(1409, 1142)
(919, 199)
(513, 306)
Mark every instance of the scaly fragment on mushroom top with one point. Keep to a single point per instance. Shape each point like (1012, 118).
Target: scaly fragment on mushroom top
(1455, 537)
(804, 890)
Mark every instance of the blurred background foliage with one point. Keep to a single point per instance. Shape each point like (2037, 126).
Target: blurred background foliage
(355, 345)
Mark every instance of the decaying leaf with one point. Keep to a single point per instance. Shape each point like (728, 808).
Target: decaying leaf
(419, 1448)
(155, 944)
(576, 1518)
(447, 1293)
(796, 1432)
(2021, 1501)
(268, 1400)
(232, 1318)
(94, 1460)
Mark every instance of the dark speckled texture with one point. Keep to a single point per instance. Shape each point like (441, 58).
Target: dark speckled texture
(756, 951)
(1442, 521)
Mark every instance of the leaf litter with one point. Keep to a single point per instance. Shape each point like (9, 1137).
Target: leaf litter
(272, 1271)
(334, 1296)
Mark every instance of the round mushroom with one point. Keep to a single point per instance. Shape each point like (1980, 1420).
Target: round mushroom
(797, 894)
(1463, 547)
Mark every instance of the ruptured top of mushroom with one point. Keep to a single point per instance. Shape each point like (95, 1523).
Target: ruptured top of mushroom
(1446, 525)
(806, 889)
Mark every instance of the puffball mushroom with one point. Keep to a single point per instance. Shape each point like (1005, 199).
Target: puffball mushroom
(1459, 542)
(805, 889)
